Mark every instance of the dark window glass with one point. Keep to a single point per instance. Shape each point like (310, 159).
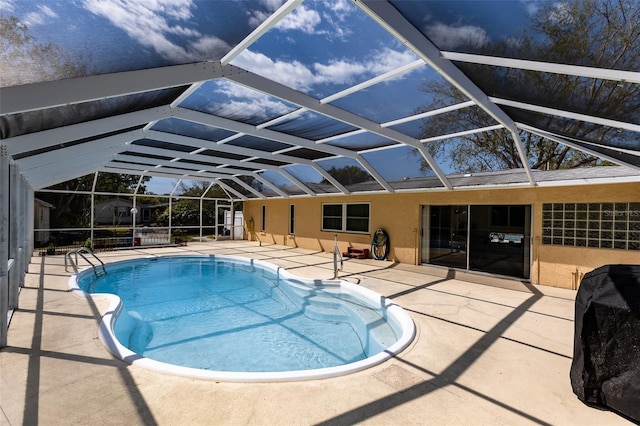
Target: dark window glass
(292, 219)
(500, 216)
(332, 217)
(333, 224)
(517, 215)
(358, 217)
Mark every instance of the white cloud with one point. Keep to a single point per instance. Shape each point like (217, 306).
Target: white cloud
(302, 19)
(40, 17)
(309, 20)
(388, 59)
(147, 23)
(449, 37)
(336, 17)
(293, 74)
(346, 72)
(342, 9)
(256, 17)
(6, 5)
(530, 6)
(250, 102)
(338, 71)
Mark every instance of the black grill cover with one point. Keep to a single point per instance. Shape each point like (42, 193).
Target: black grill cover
(606, 353)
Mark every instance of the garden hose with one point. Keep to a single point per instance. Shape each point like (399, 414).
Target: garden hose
(380, 245)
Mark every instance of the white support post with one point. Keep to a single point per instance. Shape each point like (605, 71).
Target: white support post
(170, 213)
(4, 245)
(14, 236)
(201, 218)
(216, 221)
(22, 220)
(30, 203)
(134, 215)
(233, 223)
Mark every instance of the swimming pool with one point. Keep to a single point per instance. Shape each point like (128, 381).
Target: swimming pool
(235, 319)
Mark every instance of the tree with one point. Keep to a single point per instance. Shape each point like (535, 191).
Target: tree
(185, 211)
(24, 60)
(348, 175)
(597, 33)
(74, 210)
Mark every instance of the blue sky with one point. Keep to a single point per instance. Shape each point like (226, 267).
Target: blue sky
(321, 48)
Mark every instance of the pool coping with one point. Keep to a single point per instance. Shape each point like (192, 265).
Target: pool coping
(115, 307)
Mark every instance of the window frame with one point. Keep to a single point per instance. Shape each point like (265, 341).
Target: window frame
(344, 218)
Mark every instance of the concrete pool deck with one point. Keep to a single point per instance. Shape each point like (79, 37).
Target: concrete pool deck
(483, 355)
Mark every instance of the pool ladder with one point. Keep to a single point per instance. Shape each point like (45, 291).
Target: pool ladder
(82, 251)
(336, 255)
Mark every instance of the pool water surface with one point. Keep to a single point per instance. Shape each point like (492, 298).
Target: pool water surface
(226, 315)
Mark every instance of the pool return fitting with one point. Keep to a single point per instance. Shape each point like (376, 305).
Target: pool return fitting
(336, 255)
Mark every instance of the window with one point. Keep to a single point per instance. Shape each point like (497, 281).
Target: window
(345, 217)
(121, 211)
(263, 224)
(332, 217)
(292, 219)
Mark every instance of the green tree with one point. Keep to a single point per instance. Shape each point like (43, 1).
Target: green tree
(597, 33)
(73, 209)
(186, 211)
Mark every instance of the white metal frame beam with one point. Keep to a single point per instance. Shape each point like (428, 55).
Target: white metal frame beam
(281, 91)
(265, 26)
(222, 160)
(232, 149)
(549, 67)
(398, 25)
(564, 141)
(67, 157)
(266, 182)
(52, 175)
(567, 114)
(195, 168)
(52, 137)
(36, 96)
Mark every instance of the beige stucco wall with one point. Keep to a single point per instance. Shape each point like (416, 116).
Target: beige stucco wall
(399, 215)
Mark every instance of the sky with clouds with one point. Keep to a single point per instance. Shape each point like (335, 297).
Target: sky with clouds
(320, 48)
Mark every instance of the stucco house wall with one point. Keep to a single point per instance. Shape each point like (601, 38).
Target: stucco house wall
(400, 215)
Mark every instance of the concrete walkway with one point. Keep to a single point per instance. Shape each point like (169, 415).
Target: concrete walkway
(483, 355)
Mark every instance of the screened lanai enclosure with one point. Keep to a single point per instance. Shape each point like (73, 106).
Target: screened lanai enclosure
(117, 116)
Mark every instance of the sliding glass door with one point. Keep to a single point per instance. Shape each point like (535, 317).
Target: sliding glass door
(500, 239)
(488, 238)
(447, 236)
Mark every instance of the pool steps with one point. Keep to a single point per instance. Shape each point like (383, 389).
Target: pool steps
(373, 330)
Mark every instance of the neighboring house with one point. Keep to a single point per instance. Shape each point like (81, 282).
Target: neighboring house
(150, 212)
(116, 211)
(42, 220)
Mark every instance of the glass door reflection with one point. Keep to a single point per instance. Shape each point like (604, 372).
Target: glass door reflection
(448, 236)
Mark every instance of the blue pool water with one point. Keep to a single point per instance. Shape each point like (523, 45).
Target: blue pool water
(222, 314)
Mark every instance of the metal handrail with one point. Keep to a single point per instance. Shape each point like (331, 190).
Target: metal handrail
(81, 251)
(336, 255)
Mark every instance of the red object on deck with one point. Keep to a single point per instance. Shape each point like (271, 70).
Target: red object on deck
(357, 253)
